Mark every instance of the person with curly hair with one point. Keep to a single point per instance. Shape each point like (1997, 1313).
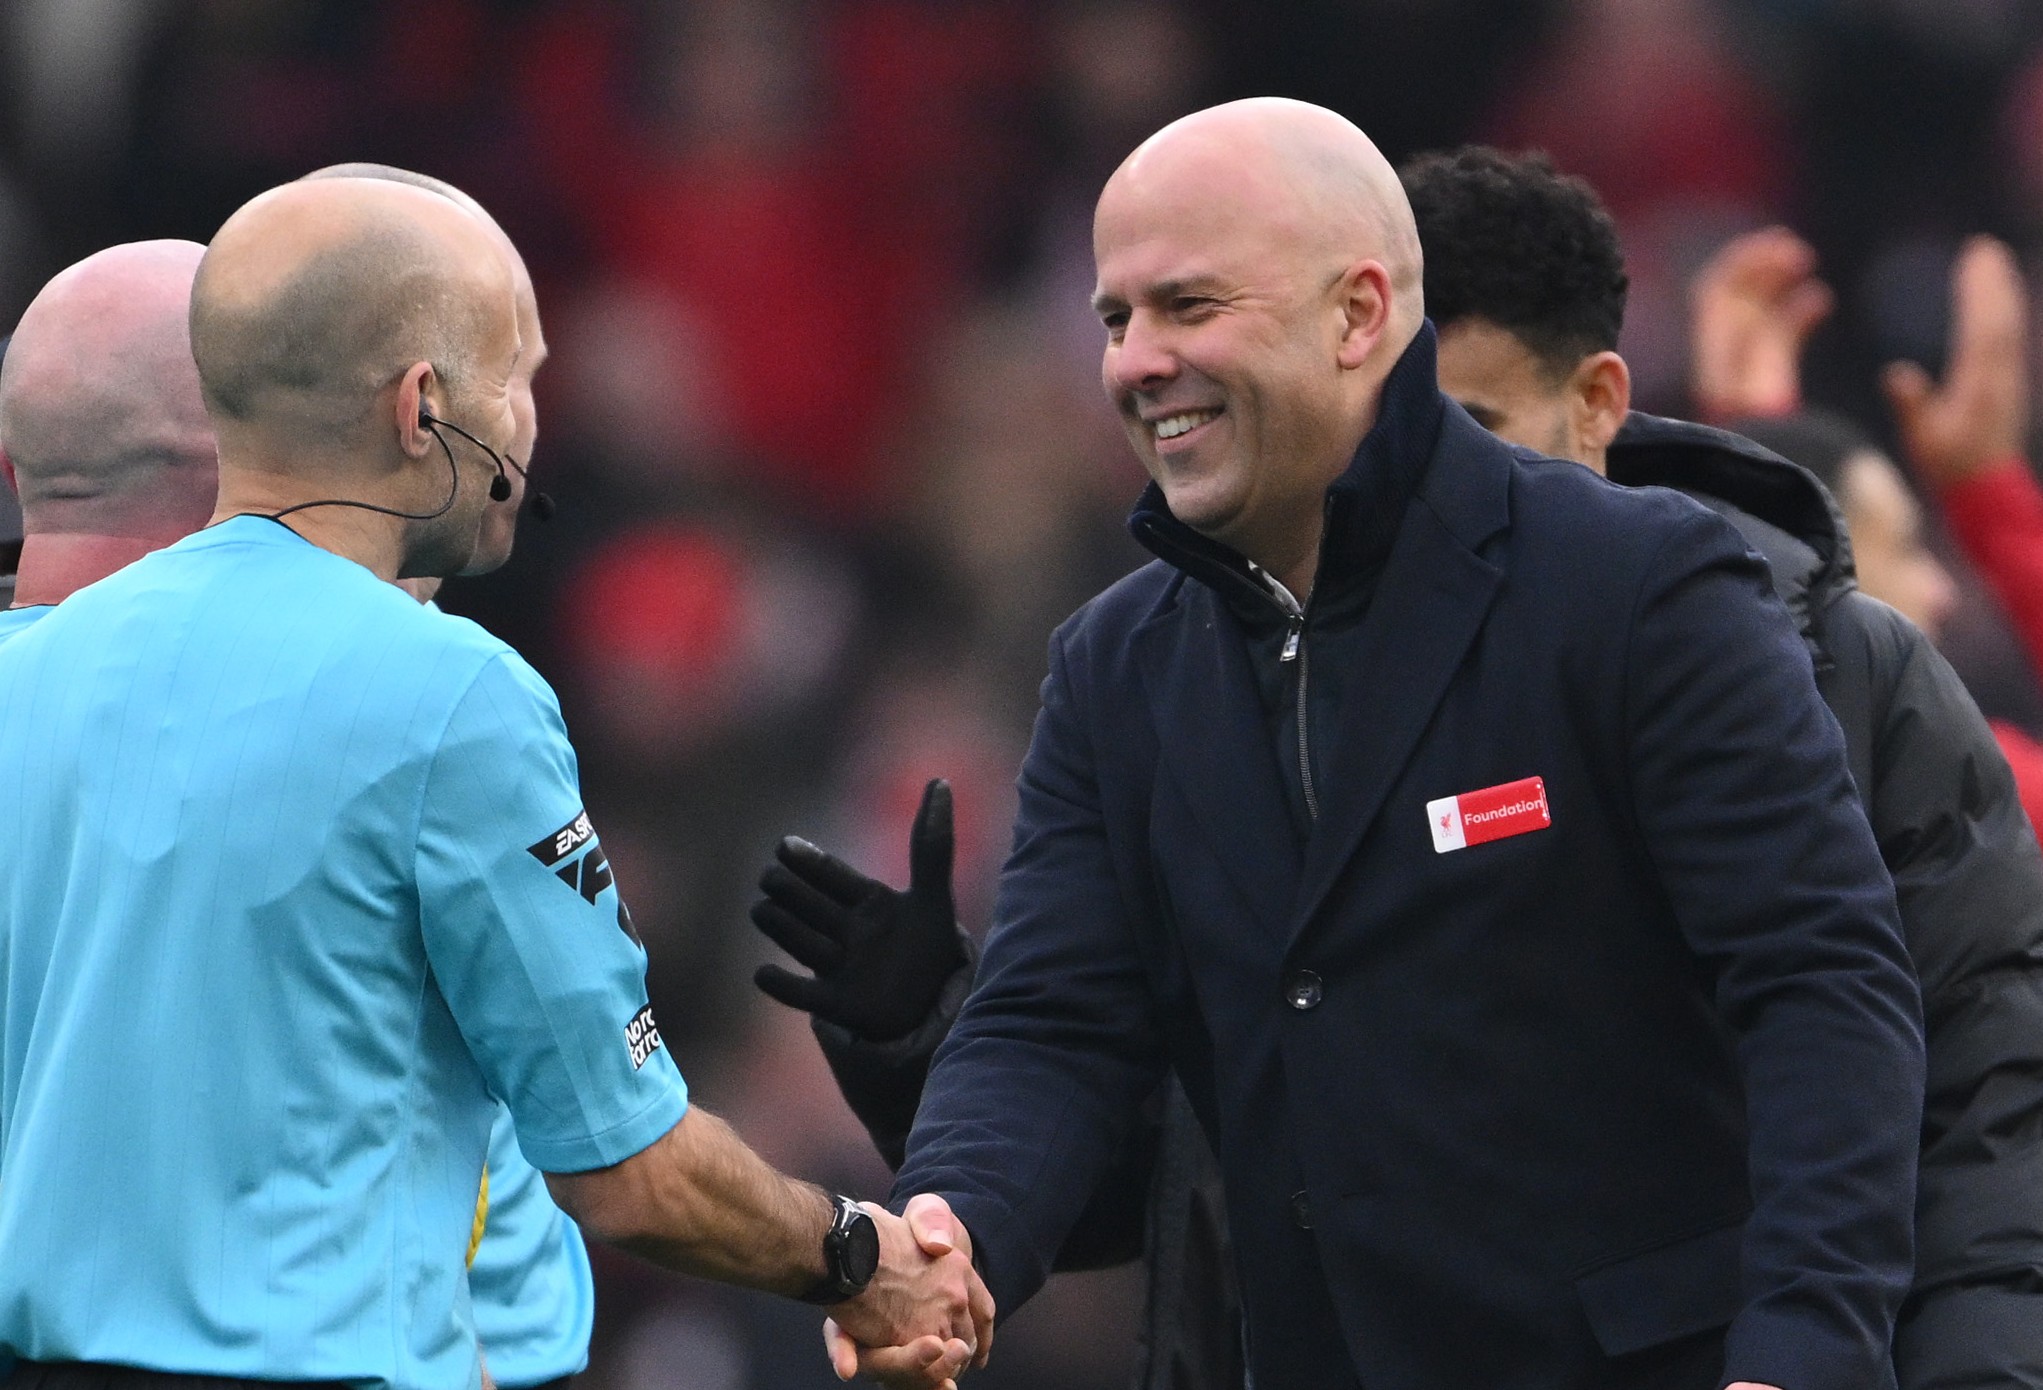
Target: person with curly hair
(1525, 278)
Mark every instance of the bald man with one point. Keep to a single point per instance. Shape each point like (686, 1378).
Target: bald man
(103, 432)
(320, 851)
(103, 435)
(109, 411)
(1466, 831)
(528, 1275)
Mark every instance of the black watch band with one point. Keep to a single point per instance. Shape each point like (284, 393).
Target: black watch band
(851, 1254)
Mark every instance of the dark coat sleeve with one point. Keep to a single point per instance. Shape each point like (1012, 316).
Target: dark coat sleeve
(882, 1083)
(1739, 786)
(1026, 1110)
(1969, 876)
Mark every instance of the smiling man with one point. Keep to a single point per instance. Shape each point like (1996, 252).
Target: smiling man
(1464, 830)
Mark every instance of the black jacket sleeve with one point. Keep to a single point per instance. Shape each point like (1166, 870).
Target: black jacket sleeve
(882, 1083)
(1738, 784)
(1969, 878)
(1027, 1110)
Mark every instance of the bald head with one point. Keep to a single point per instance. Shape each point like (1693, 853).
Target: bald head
(1301, 176)
(499, 526)
(316, 296)
(1259, 276)
(100, 410)
(391, 173)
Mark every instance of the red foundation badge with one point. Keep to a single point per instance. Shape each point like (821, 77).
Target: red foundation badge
(1515, 808)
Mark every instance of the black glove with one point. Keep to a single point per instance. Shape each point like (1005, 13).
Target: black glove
(881, 956)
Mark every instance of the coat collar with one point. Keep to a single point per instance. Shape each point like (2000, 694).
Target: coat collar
(1363, 505)
(1438, 584)
(1429, 488)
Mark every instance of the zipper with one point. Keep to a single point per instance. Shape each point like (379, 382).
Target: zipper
(1304, 746)
(1294, 650)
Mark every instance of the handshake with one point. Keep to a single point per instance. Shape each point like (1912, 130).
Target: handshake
(884, 961)
(926, 1316)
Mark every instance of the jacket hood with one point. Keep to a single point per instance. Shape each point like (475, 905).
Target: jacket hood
(1801, 530)
(1364, 506)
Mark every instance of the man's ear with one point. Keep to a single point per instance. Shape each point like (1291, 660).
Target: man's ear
(416, 391)
(1599, 397)
(7, 470)
(1364, 289)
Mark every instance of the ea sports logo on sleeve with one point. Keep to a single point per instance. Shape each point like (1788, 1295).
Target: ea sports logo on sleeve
(587, 875)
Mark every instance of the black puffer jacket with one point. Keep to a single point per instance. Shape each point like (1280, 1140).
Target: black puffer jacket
(1969, 877)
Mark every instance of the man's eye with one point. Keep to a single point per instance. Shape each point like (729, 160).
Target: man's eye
(1192, 306)
(1116, 322)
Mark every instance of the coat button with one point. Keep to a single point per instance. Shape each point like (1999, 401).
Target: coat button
(1301, 1211)
(1303, 990)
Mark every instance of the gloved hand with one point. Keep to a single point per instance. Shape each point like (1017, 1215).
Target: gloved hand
(880, 956)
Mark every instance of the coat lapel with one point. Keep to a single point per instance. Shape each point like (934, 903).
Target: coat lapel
(1429, 604)
(1204, 697)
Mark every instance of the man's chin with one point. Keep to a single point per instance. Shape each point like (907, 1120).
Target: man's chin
(1203, 508)
(485, 559)
(493, 545)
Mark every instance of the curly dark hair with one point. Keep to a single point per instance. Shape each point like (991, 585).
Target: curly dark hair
(1511, 239)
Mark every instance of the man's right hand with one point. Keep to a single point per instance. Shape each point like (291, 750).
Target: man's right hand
(881, 957)
(1755, 303)
(926, 1315)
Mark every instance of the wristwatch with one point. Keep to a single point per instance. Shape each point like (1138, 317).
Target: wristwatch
(851, 1254)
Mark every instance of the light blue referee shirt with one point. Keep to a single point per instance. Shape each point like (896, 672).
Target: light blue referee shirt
(300, 879)
(533, 1296)
(13, 620)
(535, 1303)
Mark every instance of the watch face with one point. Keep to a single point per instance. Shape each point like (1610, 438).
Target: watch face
(861, 1249)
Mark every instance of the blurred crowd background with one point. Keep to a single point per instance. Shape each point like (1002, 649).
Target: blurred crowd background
(823, 414)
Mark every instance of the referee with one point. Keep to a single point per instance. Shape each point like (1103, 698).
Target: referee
(103, 435)
(104, 432)
(529, 1281)
(301, 880)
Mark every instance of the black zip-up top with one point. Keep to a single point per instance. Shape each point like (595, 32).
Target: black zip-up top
(1301, 647)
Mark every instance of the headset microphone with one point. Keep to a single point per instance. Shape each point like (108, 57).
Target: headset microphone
(499, 486)
(542, 506)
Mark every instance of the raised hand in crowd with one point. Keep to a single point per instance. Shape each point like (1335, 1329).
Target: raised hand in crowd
(1977, 418)
(881, 957)
(1755, 304)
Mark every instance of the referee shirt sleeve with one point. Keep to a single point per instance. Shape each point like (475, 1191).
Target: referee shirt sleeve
(528, 938)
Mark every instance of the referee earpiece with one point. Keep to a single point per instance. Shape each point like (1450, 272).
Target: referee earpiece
(499, 486)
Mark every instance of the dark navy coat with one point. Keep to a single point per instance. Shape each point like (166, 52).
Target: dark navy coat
(1617, 1102)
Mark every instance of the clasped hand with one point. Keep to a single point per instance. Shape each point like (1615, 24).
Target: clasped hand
(926, 1316)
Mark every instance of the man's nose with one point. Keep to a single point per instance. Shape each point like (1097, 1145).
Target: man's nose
(1142, 359)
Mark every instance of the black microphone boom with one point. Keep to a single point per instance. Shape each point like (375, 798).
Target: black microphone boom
(499, 486)
(542, 506)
